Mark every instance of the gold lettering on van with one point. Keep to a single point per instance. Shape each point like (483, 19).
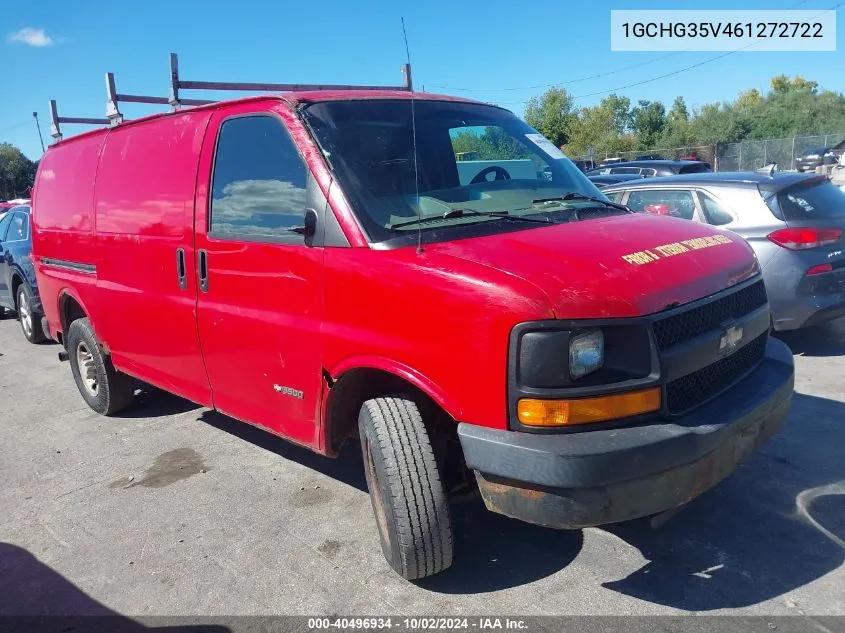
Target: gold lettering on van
(672, 249)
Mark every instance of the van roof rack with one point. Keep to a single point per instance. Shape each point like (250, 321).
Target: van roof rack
(176, 101)
(56, 120)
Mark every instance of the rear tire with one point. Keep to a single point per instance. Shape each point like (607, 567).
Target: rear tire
(409, 503)
(29, 317)
(105, 389)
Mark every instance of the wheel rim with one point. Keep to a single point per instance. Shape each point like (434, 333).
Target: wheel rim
(87, 370)
(25, 314)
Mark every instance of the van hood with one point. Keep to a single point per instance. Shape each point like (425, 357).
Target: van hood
(622, 266)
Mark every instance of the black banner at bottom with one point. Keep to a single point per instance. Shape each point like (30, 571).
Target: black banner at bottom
(423, 624)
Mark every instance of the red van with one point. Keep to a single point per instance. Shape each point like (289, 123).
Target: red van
(319, 264)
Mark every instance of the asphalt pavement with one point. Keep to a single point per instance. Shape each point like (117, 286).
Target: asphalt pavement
(173, 509)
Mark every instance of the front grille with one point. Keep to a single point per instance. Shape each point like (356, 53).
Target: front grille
(686, 325)
(687, 392)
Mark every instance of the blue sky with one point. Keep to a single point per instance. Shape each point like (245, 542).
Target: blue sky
(477, 49)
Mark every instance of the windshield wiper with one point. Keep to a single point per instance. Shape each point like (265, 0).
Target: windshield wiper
(574, 195)
(459, 213)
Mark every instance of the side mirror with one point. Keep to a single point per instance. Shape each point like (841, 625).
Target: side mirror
(308, 228)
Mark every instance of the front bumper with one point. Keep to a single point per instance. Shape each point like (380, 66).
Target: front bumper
(595, 477)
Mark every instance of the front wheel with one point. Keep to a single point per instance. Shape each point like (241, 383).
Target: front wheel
(105, 389)
(29, 317)
(409, 503)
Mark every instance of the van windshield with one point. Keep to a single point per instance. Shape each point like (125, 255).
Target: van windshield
(471, 160)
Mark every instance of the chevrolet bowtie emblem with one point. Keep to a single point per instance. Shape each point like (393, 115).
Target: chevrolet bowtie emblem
(731, 338)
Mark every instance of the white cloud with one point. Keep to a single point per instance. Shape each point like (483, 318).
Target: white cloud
(247, 202)
(32, 37)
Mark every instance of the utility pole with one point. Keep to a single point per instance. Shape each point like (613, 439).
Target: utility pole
(38, 126)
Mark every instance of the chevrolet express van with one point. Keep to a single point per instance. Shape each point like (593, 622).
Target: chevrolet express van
(321, 264)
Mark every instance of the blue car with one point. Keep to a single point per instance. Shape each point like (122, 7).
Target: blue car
(18, 290)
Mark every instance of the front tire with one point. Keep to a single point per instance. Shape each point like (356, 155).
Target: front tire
(409, 503)
(29, 317)
(105, 389)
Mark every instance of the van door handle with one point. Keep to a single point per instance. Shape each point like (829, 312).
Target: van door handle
(181, 272)
(203, 269)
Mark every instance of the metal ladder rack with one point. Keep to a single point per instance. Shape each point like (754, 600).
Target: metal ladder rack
(176, 101)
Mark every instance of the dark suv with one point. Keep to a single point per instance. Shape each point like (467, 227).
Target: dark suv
(653, 168)
(815, 157)
(18, 290)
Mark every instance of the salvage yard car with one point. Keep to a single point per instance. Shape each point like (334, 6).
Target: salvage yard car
(794, 222)
(319, 264)
(18, 290)
(649, 168)
(815, 157)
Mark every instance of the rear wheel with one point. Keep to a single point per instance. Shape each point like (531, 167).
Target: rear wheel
(105, 389)
(409, 503)
(29, 317)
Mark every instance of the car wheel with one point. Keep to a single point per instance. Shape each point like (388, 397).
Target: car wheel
(29, 317)
(409, 502)
(105, 389)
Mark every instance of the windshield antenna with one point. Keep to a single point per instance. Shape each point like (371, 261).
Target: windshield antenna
(413, 138)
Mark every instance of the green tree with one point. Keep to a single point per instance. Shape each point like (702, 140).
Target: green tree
(603, 127)
(488, 143)
(749, 99)
(720, 123)
(793, 107)
(649, 119)
(679, 113)
(782, 84)
(552, 114)
(678, 131)
(620, 112)
(17, 173)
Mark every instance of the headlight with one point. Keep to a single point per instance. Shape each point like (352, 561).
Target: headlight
(586, 353)
(561, 358)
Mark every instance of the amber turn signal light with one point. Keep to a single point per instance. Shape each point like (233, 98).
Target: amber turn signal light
(533, 412)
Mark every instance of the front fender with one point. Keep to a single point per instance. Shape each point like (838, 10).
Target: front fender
(409, 374)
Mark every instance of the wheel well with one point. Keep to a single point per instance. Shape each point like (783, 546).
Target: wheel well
(69, 311)
(349, 392)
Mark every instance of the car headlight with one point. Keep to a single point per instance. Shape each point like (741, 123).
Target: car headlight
(586, 353)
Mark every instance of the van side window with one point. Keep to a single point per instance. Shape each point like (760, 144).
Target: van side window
(258, 188)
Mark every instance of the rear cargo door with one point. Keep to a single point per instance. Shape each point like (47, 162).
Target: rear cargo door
(260, 300)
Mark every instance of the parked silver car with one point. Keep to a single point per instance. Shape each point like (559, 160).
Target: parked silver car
(794, 223)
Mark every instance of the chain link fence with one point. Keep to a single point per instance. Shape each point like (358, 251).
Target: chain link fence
(751, 155)
(744, 156)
